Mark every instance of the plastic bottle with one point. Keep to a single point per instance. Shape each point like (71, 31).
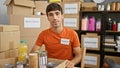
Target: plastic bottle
(91, 24)
(84, 25)
(23, 51)
(114, 26)
(108, 7)
(98, 25)
(109, 24)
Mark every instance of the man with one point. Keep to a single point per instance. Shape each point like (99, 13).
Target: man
(60, 42)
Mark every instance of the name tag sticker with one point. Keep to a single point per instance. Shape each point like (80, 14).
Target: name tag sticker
(65, 41)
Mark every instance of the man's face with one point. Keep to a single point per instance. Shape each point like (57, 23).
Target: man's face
(55, 18)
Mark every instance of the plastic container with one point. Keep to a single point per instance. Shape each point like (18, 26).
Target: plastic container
(84, 25)
(23, 51)
(114, 26)
(109, 24)
(43, 59)
(98, 25)
(108, 7)
(9, 66)
(91, 24)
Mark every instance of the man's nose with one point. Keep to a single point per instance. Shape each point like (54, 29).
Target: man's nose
(55, 16)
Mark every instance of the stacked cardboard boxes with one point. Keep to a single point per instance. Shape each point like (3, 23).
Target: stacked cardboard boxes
(9, 41)
(71, 14)
(30, 26)
(26, 14)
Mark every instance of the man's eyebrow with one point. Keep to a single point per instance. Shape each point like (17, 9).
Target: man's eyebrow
(57, 12)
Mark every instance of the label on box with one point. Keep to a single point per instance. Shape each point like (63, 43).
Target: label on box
(31, 22)
(90, 60)
(70, 8)
(91, 42)
(70, 22)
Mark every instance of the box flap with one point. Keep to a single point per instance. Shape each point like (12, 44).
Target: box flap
(7, 2)
(62, 65)
(9, 28)
(24, 3)
(20, 3)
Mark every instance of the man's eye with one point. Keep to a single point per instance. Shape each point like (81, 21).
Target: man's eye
(57, 13)
(50, 14)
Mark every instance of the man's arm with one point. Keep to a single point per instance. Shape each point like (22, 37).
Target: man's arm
(78, 55)
(76, 59)
(35, 48)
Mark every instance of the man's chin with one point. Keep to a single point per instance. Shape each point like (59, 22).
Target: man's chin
(55, 26)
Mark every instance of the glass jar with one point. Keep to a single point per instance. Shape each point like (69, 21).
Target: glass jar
(19, 65)
(9, 66)
(43, 59)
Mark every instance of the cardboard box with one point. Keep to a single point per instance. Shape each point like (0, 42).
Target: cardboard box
(7, 61)
(4, 28)
(71, 21)
(89, 6)
(31, 32)
(73, 0)
(9, 54)
(19, 7)
(51, 1)
(40, 8)
(59, 63)
(71, 7)
(91, 41)
(92, 60)
(30, 25)
(9, 37)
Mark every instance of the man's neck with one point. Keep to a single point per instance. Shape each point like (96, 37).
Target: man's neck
(57, 29)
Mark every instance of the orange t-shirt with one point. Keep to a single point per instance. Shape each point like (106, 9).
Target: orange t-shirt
(60, 45)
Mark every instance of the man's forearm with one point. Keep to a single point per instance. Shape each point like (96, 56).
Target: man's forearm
(76, 59)
(35, 47)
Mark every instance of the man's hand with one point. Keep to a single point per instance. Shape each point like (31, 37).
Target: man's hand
(69, 64)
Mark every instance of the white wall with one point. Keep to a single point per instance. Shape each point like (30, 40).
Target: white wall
(3, 13)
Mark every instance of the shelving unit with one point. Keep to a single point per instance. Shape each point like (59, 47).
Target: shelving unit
(104, 15)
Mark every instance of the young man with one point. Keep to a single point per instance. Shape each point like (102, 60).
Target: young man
(60, 42)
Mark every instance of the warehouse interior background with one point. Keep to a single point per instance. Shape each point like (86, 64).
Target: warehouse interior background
(3, 10)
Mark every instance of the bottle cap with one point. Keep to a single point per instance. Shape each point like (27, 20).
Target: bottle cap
(23, 41)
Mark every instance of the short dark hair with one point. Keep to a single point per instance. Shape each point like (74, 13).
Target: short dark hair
(52, 7)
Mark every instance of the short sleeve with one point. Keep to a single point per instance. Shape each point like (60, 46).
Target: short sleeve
(40, 39)
(76, 41)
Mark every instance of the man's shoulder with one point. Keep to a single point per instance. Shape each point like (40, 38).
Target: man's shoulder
(45, 31)
(69, 29)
